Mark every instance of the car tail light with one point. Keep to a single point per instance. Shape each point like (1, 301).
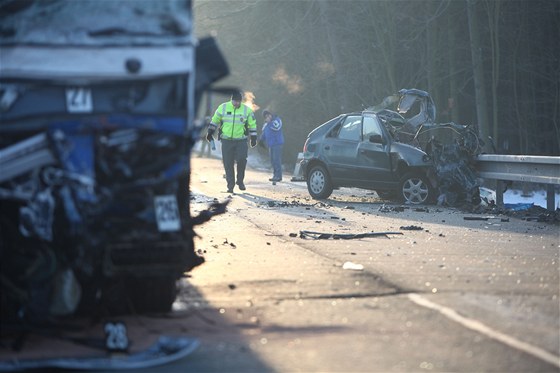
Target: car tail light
(305, 145)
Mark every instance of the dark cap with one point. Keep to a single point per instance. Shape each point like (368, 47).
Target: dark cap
(237, 96)
(265, 113)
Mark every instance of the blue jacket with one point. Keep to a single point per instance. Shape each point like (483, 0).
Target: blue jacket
(272, 132)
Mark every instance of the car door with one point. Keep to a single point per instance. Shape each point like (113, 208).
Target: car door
(373, 157)
(340, 149)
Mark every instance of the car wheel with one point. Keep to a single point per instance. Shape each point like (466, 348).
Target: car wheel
(318, 183)
(415, 189)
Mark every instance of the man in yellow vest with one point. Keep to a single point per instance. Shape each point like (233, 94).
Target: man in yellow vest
(235, 122)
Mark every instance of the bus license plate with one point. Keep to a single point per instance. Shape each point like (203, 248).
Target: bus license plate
(167, 213)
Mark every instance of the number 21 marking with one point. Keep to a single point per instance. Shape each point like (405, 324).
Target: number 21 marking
(78, 100)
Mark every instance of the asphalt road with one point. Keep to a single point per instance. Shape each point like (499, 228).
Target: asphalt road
(437, 293)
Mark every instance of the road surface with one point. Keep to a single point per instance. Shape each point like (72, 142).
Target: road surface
(403, 289)
(437, 293)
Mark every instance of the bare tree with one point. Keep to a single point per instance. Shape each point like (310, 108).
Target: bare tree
(493, 13)
(478, 69)
(313, 59)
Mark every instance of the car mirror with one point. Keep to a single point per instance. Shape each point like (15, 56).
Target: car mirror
(378, 139)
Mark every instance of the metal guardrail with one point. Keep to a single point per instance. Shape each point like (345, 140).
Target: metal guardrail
(524, 168)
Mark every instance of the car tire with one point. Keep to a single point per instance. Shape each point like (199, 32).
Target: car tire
(415, 189)
(319, 183)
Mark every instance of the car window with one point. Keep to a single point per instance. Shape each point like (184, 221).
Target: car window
(351, 128)
(371, 127)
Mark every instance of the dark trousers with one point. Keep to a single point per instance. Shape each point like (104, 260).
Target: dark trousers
(275, 153)
(234, 151)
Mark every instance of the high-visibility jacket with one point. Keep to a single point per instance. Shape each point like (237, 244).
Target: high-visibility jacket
(234, 123)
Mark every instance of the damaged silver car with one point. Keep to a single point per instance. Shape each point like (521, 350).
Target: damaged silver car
(409, 159)
(357, 150)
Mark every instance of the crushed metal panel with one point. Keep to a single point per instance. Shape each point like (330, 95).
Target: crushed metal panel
(93, 22)
(25, 156)
(426, 111)
(452, 147)
(110, 39)
(110, 62)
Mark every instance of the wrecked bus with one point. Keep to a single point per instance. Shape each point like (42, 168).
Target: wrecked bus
(97, 105)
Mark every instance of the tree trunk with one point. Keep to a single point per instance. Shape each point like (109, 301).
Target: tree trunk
(431, 49)
(326, 21)
(384, 34)
(453, 68)
(478, 71)
(493, 10)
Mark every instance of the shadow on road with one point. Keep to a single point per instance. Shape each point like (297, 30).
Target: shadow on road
(222, 347)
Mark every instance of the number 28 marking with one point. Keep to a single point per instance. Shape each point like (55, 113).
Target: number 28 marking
(116, 337)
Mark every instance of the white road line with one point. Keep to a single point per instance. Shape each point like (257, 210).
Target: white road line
(480, 327)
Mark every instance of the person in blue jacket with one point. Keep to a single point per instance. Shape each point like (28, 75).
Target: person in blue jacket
(273, 137)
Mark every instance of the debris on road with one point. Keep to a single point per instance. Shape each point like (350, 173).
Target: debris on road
(352, 266)
(338, 236)
(272, 203)
(529, 213)
(215, 208)
(165, 350)
(385, 208)
(230, 244)
(485, 218)
(411, 228)
(518, 206)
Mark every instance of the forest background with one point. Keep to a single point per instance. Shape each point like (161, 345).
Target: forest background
(492, 63)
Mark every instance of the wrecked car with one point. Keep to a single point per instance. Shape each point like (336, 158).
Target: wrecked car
(357, 150)
(452, 147)
(97, 105)
(413, 122)
(397, 149)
